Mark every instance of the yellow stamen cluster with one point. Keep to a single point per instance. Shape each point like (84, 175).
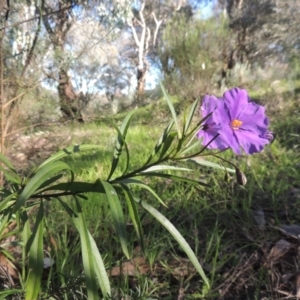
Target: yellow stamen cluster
(236, 124)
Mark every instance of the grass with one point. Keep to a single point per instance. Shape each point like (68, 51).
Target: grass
(232, 229)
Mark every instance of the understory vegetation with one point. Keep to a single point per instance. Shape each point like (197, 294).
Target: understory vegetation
(121, 173)
(245, 237)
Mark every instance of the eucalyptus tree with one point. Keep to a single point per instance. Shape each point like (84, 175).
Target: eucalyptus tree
(84, 44)
(80, 48)
(20, 59)
(63, 43)
(26, 47)
(240, 39)
(144, 23)
(263, 31)
(191, 52)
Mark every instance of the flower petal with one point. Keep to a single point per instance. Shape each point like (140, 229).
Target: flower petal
(213, 105)
(254, 116)
(235, 100)
(251, 133)
(229, 136)
(225, 139)
(210, 134)
(209, 104)
(250, 141)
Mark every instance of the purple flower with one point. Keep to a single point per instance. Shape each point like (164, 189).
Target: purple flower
(235, 122)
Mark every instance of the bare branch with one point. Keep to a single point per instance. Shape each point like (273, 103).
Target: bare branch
(157, 23)
(142, 9)
(136, 39)
(142, 46)
(35, 18)
(147, 40)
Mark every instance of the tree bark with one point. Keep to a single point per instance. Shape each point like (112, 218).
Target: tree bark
(67, 96)
(69, 100)
(141, 79)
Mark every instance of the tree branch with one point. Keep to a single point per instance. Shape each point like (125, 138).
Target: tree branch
(30, 53)
(157, 23)
(147, 40)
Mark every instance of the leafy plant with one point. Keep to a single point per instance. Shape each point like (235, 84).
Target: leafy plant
(55, 180)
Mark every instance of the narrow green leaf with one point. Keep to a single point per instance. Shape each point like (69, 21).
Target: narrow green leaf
(50, 181)
(121, 141)
(100, 269)
(178, 237)
(165, 168)
(82, 196)
(66, 152)
(167, 144)
(7, 201)
(78, 187)
(197, 127)
(4, 294)
(37, 180)
(174, 177)
(129, 181)
(125, 124)
(7, 162)
(133, 213)
(87, 255)
(35, 257)
(123, 130)
(26, 233)
(94, 266)
(206, 163)
(170, 104)
(160, 142)
(3, 225)
(183, 126)
(10, 175)
(117, 153)
(144, 186)
(67, 208)
(190, 147)
(4, 193)
(191, 115)
(117, 215)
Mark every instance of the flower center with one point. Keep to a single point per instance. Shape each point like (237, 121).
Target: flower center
(236, 124)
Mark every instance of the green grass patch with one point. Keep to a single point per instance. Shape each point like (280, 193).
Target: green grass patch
(232, 229)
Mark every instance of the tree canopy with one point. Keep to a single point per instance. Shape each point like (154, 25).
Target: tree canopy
(85, 48)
